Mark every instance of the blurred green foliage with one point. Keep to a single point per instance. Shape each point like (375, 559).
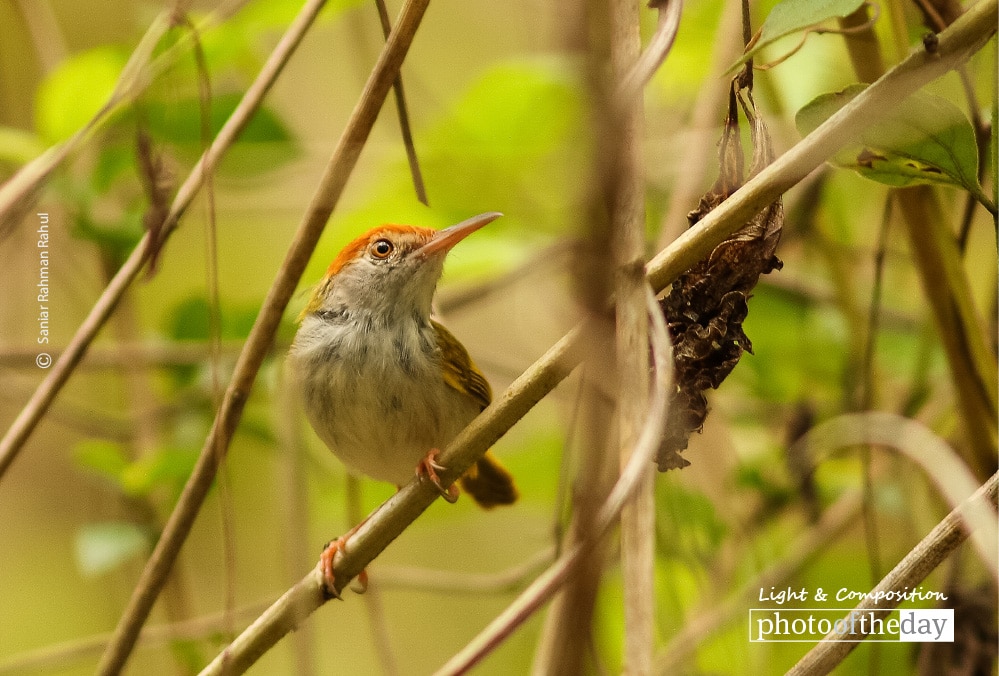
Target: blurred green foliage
(514, 137)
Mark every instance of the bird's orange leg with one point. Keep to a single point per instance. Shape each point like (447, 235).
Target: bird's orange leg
(328, 558)
(427, 469)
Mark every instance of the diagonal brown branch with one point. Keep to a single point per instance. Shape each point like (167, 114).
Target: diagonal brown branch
(395, 515)
(716, 613)
(259, 342)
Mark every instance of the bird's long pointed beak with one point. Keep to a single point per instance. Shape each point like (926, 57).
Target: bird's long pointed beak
(445, 239)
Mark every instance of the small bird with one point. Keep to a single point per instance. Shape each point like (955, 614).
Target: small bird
(384, 385)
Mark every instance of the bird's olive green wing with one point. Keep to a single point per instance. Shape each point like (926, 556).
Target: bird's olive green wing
(460, 372)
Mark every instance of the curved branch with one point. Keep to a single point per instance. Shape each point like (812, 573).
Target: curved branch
(641, 73)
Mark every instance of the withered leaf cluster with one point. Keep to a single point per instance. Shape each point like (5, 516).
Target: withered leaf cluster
(706, 306)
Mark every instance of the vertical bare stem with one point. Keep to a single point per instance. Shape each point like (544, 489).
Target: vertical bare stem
(628, 225)
(863, 46)
(294, 490)
(972, 366)
(567, 635)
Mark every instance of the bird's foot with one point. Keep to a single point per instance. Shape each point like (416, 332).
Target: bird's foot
(427, 469)
(327, 560)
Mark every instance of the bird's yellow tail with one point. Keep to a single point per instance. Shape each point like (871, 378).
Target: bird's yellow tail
(489, 483)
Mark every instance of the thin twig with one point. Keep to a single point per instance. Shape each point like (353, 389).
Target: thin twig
(294, 489)
(867, 395)
(403, 112)
(645, 67)
(372, 595)
(59, 373)
(697, 148)
(962, 39)
(451, 583)
(910, 571)
(214, 318)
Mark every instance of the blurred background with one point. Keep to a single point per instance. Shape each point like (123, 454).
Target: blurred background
(499, 109)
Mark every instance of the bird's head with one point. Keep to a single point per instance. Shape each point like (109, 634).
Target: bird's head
(391, 270)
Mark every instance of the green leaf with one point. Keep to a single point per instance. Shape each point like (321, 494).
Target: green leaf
(180, 121)
(119, 236)
(189, 320)
(104, 458)
(264, 144)
(792, 16)
(165, 468)
(925, 139)
(102, 547)
(514, 110)
(275, 14)
(702, 529)
(75, 91)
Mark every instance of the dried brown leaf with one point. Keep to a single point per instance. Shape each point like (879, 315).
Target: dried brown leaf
(706, 306)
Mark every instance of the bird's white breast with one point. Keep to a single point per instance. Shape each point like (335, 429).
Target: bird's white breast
(376, 396)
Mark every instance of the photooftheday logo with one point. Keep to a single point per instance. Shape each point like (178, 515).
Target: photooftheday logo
(792, 625)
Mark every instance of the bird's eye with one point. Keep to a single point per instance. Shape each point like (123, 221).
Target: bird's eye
(382, 249)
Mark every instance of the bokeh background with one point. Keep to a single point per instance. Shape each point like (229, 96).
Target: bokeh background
(498, 104)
